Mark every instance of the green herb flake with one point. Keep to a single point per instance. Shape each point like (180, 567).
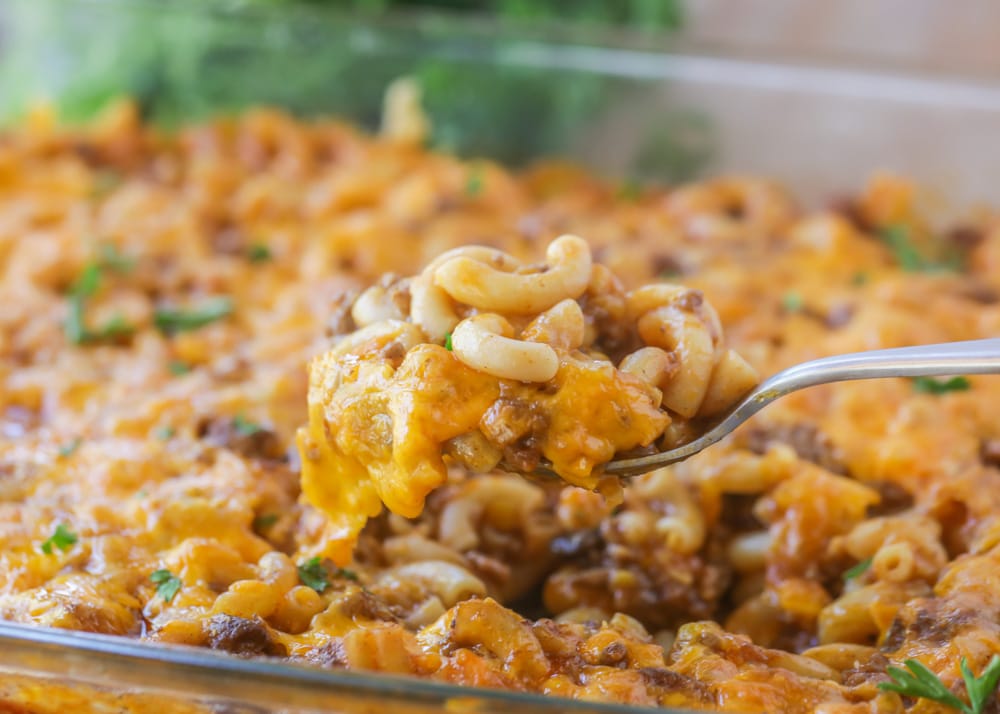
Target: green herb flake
(62, 538)
(259, 253)
(897, 237)
(165, 433)
(980, 689)
(447, 342)
(792, 302)
(475, 181)
(245, 427)
(909, 258)
(67, 449)
(177, 367)
(860, 278)
(920, 682)
(858, 570)
(313, 574)
(171, 320)
(115, 329)
(88, 283)
(111, 258)
(167, 584)
(347, 574)
(75, 327)
(929, 385)
(264, 521)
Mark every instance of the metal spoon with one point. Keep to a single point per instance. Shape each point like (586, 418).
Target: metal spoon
(950, 358)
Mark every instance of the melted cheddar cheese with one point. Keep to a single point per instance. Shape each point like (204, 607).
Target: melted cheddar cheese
(842, 531)
(376, 433)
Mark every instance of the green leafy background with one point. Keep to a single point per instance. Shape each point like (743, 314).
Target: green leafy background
(185, 60)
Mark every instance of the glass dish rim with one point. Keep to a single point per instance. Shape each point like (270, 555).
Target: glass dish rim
(173, 659)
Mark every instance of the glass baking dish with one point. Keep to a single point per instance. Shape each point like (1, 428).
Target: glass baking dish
(667, 107)
(51, 670)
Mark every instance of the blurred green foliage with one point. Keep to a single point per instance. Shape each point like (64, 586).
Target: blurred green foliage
(643, 14)
(185, 60)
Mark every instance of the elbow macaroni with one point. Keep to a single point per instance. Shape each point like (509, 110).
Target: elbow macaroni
(507, 370)
(479, 342)
(479, 284)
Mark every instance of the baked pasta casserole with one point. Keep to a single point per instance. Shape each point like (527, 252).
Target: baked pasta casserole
(387, 406)
(167, 463)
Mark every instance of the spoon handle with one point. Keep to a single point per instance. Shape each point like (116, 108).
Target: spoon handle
(949, 358)
(972, 357)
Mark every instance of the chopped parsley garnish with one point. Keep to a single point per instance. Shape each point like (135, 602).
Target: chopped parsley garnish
(67, 449)
(792, 301)
(447, 342)
(75, 326)
(474, 182)
(909, 258)
(177, 368)
(245, 427)
(171, 320)
(921, 682)
(113, 259)
(980, 688)
(88, 282)
(897, 237)
(313, 574)
(929, 385)
(264, 521)
(167, 584)
(62, 538)
(84, 287)
(859, 278)
(858, 570)
(164, 433)
(259, 253)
